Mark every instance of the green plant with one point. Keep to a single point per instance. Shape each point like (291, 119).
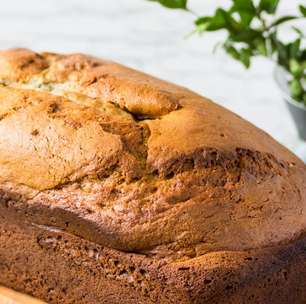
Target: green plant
(253, 30)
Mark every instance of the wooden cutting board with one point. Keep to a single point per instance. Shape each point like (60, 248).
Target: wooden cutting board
(9, 296)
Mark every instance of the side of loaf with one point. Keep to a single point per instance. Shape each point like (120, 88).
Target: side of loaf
(116, 186)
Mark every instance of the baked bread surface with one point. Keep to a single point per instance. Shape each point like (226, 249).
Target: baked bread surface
(138, 165)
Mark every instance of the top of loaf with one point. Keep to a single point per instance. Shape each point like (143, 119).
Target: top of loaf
(144, 165)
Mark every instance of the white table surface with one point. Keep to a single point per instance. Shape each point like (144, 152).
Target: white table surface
(145, 36)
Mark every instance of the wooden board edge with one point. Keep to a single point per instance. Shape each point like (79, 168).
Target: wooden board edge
(9, 296)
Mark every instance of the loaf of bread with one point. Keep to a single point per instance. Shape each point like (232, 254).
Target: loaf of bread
(116, 187)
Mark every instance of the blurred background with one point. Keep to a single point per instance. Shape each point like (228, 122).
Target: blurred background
(146, 36)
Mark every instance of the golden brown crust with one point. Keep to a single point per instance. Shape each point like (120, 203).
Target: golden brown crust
(59, 267)
(140, 164)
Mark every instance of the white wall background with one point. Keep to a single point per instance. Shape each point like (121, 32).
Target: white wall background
(146, 36)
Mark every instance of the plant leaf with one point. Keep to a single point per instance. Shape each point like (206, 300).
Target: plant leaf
(296, 88)
(296, 68)
(175, 4)
(283, 20)
(245, 57)
(246, 36)
(260, 45)
(294, 48)
(303, 10)
(298, 31)
(232, 51)
(220, 20)
(269, 6)
(245, 18)
(244, 5)
(245, 9)
(283, 55)
(202, 24)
